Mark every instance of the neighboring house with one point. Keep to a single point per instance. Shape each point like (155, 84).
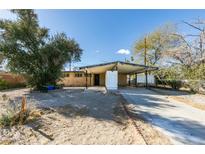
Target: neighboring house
(111, 75)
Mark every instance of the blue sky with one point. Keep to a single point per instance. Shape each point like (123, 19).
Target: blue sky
(102, 33)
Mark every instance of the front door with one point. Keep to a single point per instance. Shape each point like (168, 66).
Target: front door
(96, 79)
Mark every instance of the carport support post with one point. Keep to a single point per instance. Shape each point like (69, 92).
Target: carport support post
(146, 84)
(90, 79)
(86, 75)
(136, 79)
(129, 80)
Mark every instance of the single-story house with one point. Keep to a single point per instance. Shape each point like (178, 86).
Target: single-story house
(111, 75)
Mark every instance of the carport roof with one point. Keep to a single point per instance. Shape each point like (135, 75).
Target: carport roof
(122, 67)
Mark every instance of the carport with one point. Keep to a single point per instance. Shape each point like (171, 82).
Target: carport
(114, 74)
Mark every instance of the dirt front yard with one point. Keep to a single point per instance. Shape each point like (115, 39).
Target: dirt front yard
(76, 116)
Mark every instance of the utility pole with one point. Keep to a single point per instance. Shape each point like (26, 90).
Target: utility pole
(201, 43)
(145, 51)
(201, 35)
(70, 65)
(145, 60)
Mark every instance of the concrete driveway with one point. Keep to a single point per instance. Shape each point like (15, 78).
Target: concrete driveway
(182, 123)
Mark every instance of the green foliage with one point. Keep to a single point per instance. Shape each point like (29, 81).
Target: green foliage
(169, 73)
(30, 49)
(14, 114)
(1, 57)
(191, 77)
(6, 120)
(3, 84)
(180, 72)
(12, 118)
(175, 84)
(194, 72)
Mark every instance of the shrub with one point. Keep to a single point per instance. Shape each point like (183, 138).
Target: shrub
(196, 85)
(175, 84)
(3, 84)
(6, 120)
(13, 118)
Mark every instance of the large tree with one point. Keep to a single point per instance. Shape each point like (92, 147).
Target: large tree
(184, 55)
(29, 48)
(156, 44)
(188, 55)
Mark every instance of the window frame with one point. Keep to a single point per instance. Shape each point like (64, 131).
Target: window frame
(78, 75)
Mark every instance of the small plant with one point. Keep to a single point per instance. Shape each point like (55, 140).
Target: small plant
(4, 97)
(3, 84)
(6, 120)
(18, 114)
(11, 119)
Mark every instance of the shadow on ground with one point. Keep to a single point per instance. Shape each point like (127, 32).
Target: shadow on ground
(78, 102)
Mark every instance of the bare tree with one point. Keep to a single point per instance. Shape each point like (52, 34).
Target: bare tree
(198, 25)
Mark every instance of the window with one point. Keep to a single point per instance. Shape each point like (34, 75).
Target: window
(78, 75)
(66, 75)
(88, 75)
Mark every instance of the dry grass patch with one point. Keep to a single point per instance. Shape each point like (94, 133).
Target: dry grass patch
(189, 102)
(182, 99)
(18, 113)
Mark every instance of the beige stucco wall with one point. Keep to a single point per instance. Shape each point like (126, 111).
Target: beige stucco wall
(122, 79)
(73, 81)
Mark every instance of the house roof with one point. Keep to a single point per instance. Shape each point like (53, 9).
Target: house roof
(122, 67)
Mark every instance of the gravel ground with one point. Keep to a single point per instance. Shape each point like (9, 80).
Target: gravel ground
(77, 116)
